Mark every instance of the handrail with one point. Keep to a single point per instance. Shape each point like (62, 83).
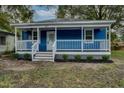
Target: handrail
(54, 49)
(34, 48)
(82, 40)
(24, 40)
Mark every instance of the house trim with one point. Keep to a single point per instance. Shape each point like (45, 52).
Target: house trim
(50, 26)
(68, 22)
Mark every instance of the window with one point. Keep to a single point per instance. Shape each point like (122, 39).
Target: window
(2, 40)
(34, 35)
(89, 34)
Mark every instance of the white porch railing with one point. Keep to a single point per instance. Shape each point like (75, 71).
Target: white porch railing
(95, 45)
(24, 45)
(69, 44)
(35, 48)
(77, 45)
(83, 45)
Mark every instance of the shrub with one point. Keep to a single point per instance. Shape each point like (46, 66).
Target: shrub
(89, 58)
(121, 83)
(105, 57)
(65, 57)
(115, 46)
(27, 57)
(78, 57)
(15, 55)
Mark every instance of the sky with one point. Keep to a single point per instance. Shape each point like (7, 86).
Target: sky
(43, 13)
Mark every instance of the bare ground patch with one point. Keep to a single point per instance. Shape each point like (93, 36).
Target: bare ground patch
(22, 65)
(15, 65)
(64, 74)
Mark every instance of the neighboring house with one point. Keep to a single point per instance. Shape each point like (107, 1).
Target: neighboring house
(49, 40)
(6, 41)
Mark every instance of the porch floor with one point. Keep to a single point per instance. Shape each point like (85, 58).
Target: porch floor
(83, 51)
(73, 52)
(67, 51)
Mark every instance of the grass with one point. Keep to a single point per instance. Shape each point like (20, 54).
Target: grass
(118, 54)
(68, 75)
(74, 77)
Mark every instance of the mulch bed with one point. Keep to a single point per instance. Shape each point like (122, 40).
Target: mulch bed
(85, 61)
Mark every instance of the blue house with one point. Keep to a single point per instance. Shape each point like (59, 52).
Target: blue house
(51, 39)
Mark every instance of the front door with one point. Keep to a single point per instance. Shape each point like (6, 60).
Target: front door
(50, 39)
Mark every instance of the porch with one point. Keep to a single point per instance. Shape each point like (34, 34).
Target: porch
(63, 40)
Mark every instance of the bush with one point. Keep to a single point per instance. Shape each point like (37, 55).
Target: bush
(65, 57)
(115, 46)
(27, 57)
(105, 57)
(78, 57)
(121, 83)
(89, 58)
(15, 55)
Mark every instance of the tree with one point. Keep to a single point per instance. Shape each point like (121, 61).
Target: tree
(14, 14)
(114, 37)
(92, 12)
(122, 37)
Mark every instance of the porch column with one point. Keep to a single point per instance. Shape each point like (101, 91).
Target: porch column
(109, 39)
(82, 38)
(55, 37)
(38, 36)
(15, 39)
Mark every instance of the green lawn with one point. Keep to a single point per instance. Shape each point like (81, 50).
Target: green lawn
(118, 54)
(47, 74)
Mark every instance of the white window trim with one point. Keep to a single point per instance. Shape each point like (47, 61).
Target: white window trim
(92, 29)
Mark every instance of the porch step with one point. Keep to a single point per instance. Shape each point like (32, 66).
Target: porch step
(43, 56)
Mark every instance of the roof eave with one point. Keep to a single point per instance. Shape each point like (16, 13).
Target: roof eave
(77, 22)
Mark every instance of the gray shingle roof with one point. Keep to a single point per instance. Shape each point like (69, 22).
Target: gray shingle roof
(55, 22)
(6, 32)
(63, 20)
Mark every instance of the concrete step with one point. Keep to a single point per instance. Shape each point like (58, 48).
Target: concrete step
(43, 56)
(46, 60)
(44, 53)
(40, 55)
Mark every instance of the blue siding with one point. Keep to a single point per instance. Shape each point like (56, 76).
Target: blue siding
(25, 36)
(100, 33)
(69, 35)
(42, 46)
